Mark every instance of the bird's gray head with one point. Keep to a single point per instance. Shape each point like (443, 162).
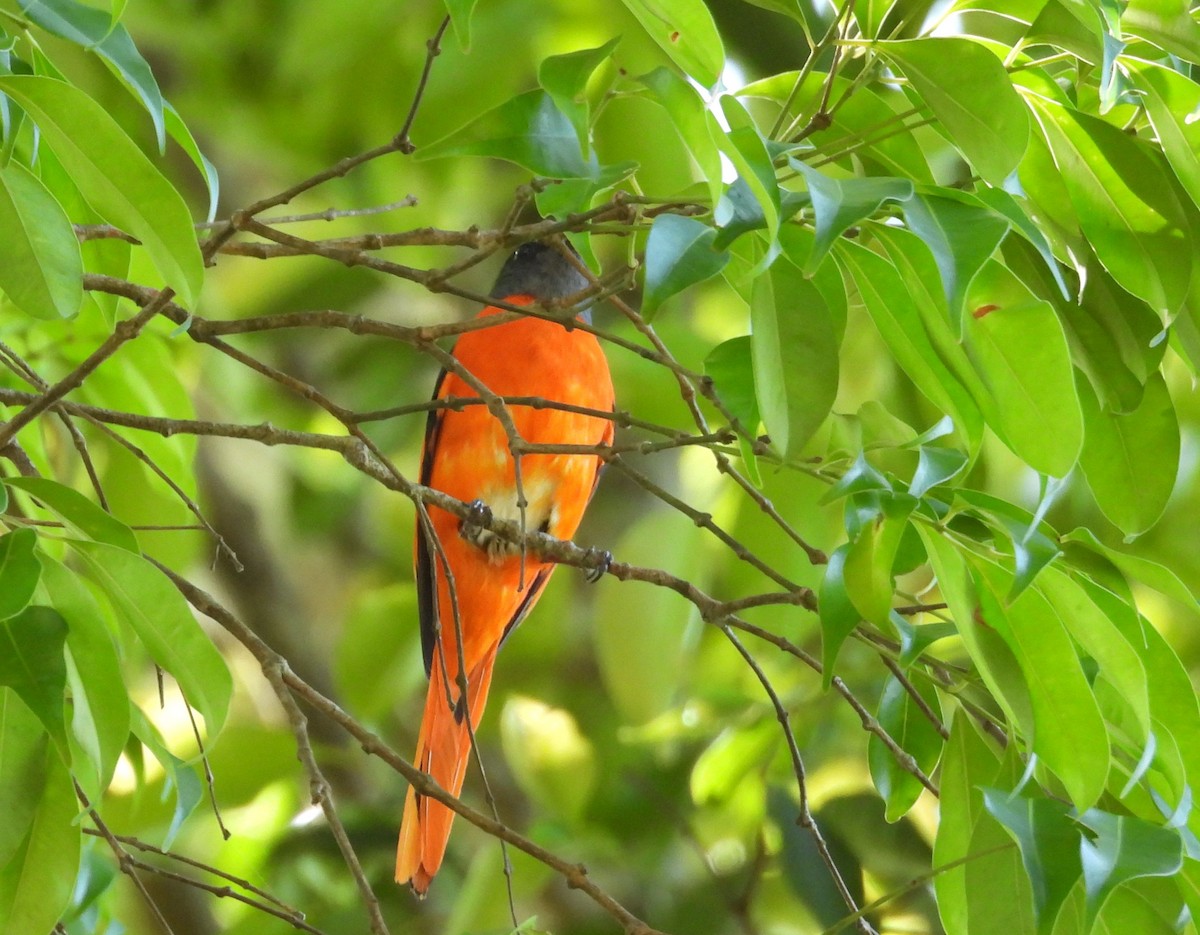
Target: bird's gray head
(538, 270)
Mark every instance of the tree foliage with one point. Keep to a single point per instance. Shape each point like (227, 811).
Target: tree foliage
(902, 301)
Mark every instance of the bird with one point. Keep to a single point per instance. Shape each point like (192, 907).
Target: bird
(493, 584)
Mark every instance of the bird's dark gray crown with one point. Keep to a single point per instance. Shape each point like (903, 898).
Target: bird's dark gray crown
(539, 270)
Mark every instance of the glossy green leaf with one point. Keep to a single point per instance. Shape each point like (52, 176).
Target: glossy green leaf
(100, 704)
(1022, 356)
(115, 177)
(935, 466)
(731, 366)
(100, 33)
(179, 132)
(460, 12)
(679, 253)
(968, 90)
(36, 882)
(40, 265)
(1005, 205)
(1049, 841)
(839, 616)
(23, 743)
(841, 203)
(868, 571)
(1131, 459)
(77, 511)
(565, 78)
(1069, 734)
(689, 117)
(795, 356)
(745, 148)
(686, 32)
(739, 211)
(532, 132)
(1138, 568)
(962, 234)
(1034, 545)
(1169, 24)
(1092, 628)
(859, 477)
(1169, 99)
(983, 889)
(32, 665)
(895, 314)
(19, 571)
(1124, 848)
(1134, 223)
(904, 721)
(144, 599)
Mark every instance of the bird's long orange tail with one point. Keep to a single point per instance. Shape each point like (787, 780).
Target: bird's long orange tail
(443, 751)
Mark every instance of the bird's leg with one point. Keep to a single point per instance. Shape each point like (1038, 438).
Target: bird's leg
(601, 560)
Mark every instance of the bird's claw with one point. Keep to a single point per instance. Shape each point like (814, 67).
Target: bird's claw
(479, 514)
(601, 560)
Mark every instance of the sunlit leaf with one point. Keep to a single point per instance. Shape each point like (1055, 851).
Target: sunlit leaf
(795, 356)
(935, 466)
(115, 177)
(1124, 848)
(1049, 841)
(40, 266)
(565, 78)
(686, 32)
(77, 511)
(967, 88)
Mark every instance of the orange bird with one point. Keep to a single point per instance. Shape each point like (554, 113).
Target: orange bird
(467, 456)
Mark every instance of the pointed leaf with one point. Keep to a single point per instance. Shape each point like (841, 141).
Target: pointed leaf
(40, 265)
(686, 32)
(114, 176)
(838, 614)
(731, 366)
(968, 90)
(935, 466)
(795, 356)
(32, 665)
(461, 12)
(1125, 848)
(679, 254)
(908, 725)
(565, 78)
(19, 570)
(77, 511)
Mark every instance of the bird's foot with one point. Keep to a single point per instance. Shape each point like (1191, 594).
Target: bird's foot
(479, 514)
(600, 560)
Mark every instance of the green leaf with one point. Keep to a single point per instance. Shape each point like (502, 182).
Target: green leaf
(1124, 848)
(689, 117)
(1169, 98)
(731, 367)
(1169, 24)
(180, 776)
(565, 78)
(644, 684)
(984, 889)
(100, 704)
(726, 762)
(1092, 627)
(686, 32)
(1007, 207)
(868, 571)
(1134, 223)
(969, 91)
(23, 742)
(746, 149)
(77, 511)
(460, 17)
(146, 601)
(841, 203)
(1131, 459)
(1049, 841)
(31, 663)
(839, 616)
(907, 724)
(100, 33)
(183, 136)
(679, 254)
(935, 466)
(738, 211)
(1139, 568)
(40, 265)
(861, 476)
(532, 132)
(19, 571)
(36, 883)
(961, 234)
(1069, 735)
(115, 177)
(894, 311)
(795, 356)
(1021, 354)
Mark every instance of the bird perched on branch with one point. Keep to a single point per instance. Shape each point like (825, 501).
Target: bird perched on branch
(474, 586)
